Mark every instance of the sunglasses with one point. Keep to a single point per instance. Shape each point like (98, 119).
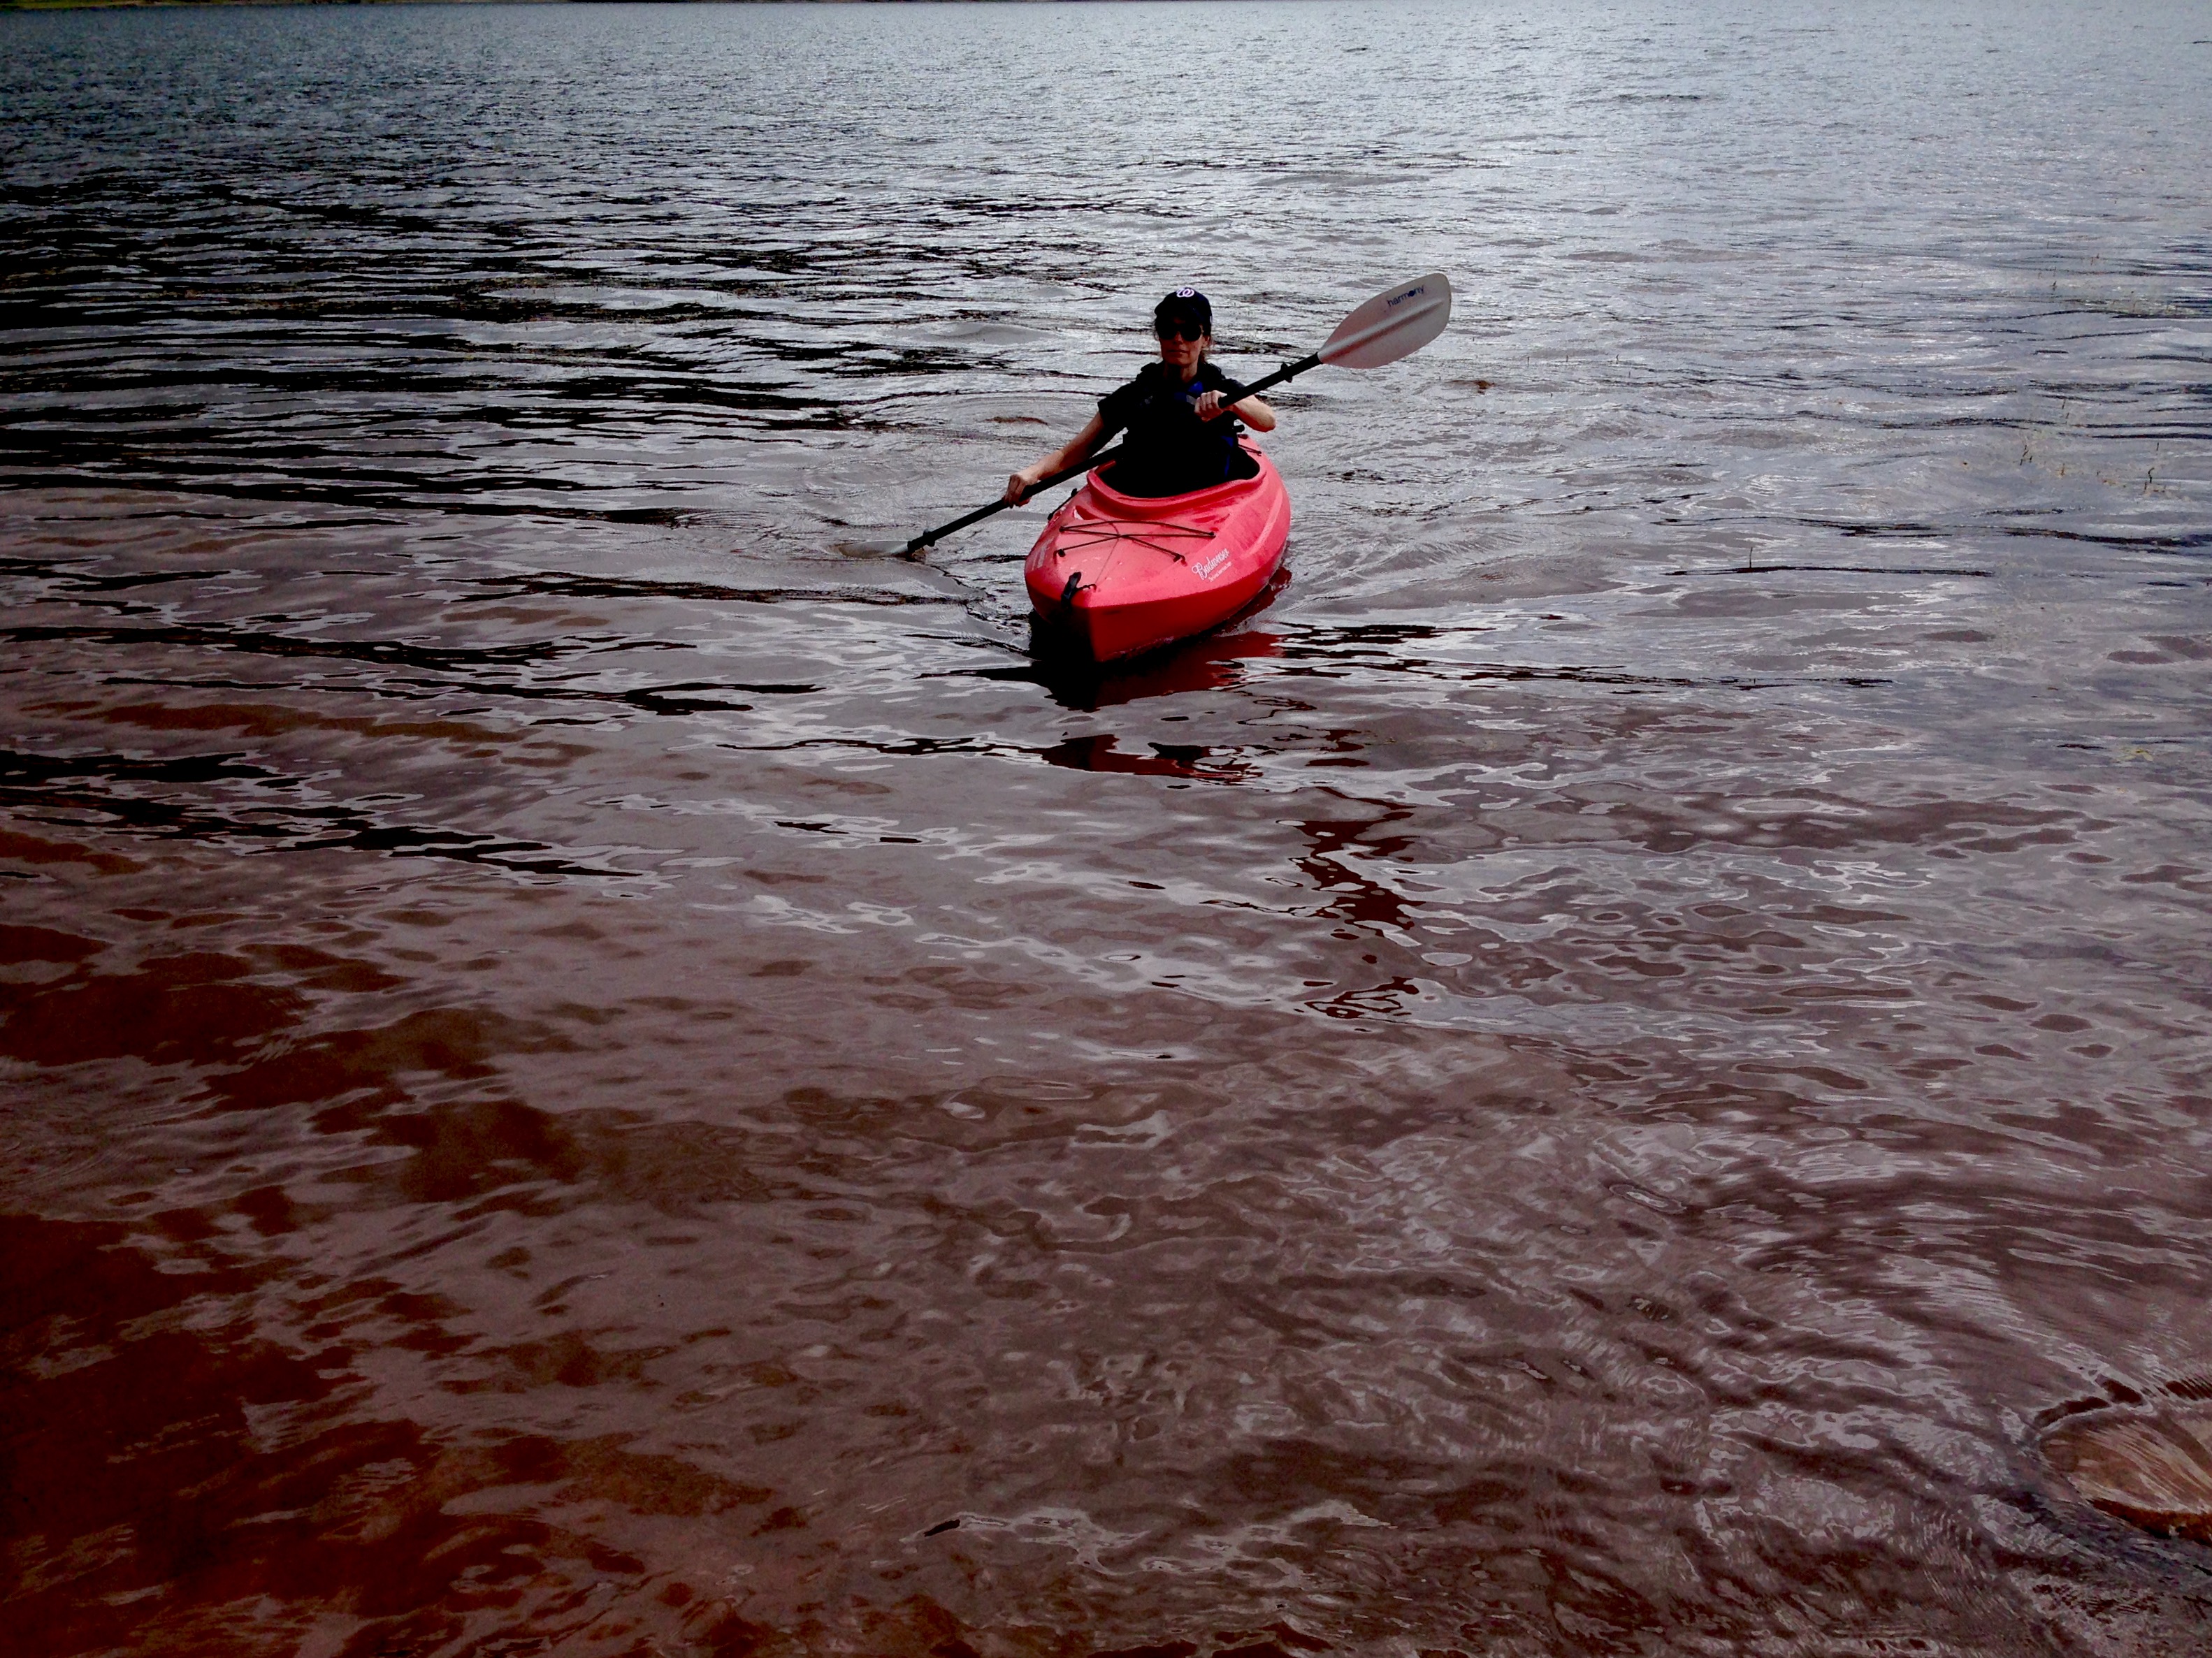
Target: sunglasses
(1180, 330)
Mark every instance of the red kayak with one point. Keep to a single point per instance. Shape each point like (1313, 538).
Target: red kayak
(1124, 573)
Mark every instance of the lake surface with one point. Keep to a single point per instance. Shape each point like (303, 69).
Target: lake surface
(587, 1072)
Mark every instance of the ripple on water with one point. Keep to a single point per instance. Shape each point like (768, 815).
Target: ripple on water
(585, 1069)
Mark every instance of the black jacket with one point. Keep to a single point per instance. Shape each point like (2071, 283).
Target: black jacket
(1171, 451)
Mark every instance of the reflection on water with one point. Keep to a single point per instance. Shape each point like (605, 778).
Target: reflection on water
(1622, 1067)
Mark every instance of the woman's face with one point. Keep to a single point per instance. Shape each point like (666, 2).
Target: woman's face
(1182, 346)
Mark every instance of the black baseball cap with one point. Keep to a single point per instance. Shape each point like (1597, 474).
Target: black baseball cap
(1185, 305)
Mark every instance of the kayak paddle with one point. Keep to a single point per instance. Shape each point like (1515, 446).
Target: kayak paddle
(1396, 323)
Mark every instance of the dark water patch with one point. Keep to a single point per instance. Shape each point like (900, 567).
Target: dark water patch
(1835, 569)
(381, 652)
(115, 792)
(554, 584)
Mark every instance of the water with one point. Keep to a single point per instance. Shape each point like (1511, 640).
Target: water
(588, 1073)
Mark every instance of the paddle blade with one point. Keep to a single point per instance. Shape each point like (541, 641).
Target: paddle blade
(1395, 324)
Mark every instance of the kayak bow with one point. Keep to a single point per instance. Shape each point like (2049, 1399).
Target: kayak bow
(1118, 575)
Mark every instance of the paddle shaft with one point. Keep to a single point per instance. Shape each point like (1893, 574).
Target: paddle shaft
(1231, 394)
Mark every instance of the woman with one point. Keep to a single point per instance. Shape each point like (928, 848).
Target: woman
(1176, 443)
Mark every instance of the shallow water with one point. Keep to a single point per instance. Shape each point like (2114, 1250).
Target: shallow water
(586, 1073)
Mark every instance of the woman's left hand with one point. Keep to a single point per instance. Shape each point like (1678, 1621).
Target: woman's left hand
(1208, 404)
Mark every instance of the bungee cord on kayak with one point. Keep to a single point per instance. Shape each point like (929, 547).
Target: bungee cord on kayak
(1154, 535)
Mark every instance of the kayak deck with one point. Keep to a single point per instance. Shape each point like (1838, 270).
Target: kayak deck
(1119, 574)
